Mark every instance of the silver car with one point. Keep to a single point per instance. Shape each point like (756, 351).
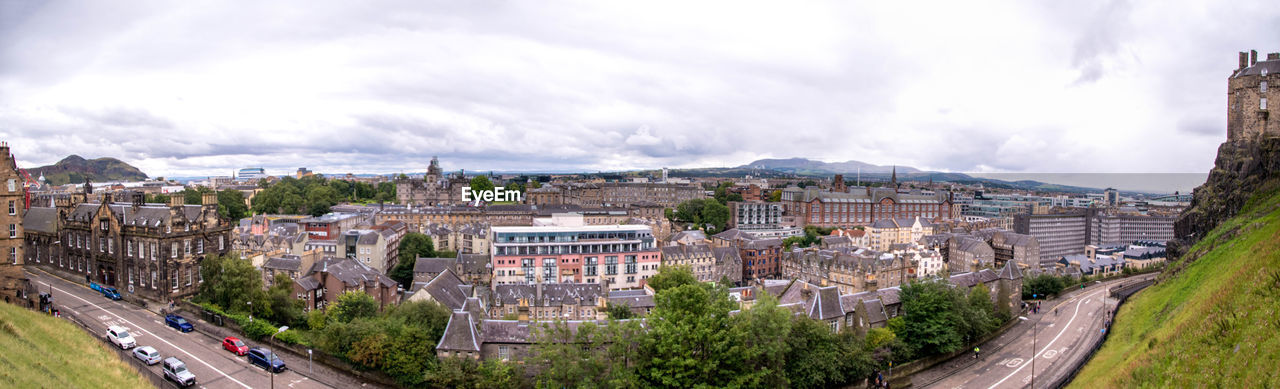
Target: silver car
(147, 355)
(177, 371)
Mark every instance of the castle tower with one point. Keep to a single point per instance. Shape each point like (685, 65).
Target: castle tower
(1251, 95)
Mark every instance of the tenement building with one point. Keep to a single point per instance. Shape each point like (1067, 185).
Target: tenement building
(1251, 93)
(145, 250)
(13, 196)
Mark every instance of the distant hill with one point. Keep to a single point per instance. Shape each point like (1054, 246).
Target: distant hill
(74, 169)
(804, 166)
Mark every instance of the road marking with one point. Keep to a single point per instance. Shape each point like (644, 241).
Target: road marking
(1055, 339)
(1014, 362)
(1050, 354)
(157, 338)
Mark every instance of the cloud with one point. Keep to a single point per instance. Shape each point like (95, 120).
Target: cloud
(1094, 86)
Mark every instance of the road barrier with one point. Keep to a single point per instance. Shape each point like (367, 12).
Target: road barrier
(1121, 293)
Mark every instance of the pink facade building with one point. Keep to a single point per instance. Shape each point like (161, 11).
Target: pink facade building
(615, 256)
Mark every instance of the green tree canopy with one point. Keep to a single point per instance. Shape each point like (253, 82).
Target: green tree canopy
(352, 305)
(412, 246)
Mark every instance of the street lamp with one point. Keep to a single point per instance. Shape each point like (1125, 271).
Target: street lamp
(271, 360)
(250, 304)
(1033, 350)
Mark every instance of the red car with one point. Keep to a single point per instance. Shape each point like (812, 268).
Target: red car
(234, 345)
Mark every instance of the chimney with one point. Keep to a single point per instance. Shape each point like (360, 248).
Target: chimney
(1244, 60)
(1273, 56)
(138, 199)
(209, 199)
(176, 199)
(1253, 57)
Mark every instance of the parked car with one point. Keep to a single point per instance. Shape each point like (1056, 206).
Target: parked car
(177, 371)
(234, 345)
(178, 323)
(147, 354)
(107, 291)
(120, 337)
(259, 357)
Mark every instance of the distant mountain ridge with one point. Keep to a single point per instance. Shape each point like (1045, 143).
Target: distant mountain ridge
(74, 169)
(806, 166)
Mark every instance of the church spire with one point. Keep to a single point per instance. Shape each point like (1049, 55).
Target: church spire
(893, 180)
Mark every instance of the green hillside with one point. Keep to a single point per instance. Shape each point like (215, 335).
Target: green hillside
(74, 169)
(39, 351)
(1210, 322)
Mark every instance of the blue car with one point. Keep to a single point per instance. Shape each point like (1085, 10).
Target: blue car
(259, 357)
(178, 323)
(106, 291)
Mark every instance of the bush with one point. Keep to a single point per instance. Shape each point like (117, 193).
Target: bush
(258, 329)
(291, 336)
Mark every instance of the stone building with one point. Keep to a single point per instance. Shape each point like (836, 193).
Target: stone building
(331, 277)
(708, 263)
(862, 206)
(435, 188)
(884, 233)
(150, 251)
(550, 302)
(850, 271)
(13, 196)
(1251, 94)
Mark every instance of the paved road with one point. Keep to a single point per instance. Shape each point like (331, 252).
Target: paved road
(213, 366)
(1060, 340)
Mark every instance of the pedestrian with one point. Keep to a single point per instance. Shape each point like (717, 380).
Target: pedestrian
(1055, 311)
(975, 352)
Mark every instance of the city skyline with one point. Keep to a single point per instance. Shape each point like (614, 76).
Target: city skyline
(1086, 88)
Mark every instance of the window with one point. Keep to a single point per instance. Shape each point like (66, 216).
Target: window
(104, 225)
(1262, 87)
(190, 277)
(631, 264)
(173, 279)
(13, 230)
(186, 247)
(611, 265)
(13, 207)
(590, 268)
(111, 245)
(154, 250)
(13, 185)
(200, 246)
(221, 243)
(504, 353)
(174, 252)
(128, 249)
(13, 255)
(1263, 105)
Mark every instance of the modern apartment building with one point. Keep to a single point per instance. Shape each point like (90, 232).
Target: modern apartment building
(616, 256)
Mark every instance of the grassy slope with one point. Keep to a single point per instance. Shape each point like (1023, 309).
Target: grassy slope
(1214, 324)
(39, 351)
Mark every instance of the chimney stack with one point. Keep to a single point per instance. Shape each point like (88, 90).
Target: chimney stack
(1253, 57)
(1244, 60)
(177, 199)
(1273, 56)
(209, 199)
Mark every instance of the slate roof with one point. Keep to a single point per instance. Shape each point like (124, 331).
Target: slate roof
(447, 289)
(351, 272)
(686, 251)
(826, 304)
(41, 219)
(1011, 271)
(287, 262)
(875, 311)
(735, 234)
(760, 244)
(460, 334)
(889, 296)
(307, 283)
(474, 263)
(432, 265)
(552, 294)
(689, 235)
(640, 301)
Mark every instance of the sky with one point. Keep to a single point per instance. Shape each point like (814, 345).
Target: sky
(198, 88)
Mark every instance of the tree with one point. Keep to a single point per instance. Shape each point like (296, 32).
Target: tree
(814, 356)
(481, 184)
(775, 196)
(413, 246)
(688, 343)
(285, 309)
(761, 351)
(352, 305)
(234, 285)
(671, 277)
(619, 311)
(930, 319)
(716, 215)
(231, 204)
(562, 355)
(690, 211)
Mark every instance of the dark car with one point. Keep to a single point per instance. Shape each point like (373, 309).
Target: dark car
(178, 323)
(259, 357)
(234, 345)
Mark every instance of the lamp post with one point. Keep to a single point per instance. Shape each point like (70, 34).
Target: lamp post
(1033, 350)
(250, 304)
(271, 359)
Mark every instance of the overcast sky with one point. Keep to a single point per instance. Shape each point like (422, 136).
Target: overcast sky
(201, 88)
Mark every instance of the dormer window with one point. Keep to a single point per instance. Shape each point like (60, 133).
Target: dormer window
(1263, 104)
(1264, 72)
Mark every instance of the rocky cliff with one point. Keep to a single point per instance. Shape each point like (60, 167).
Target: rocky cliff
(1242, 169)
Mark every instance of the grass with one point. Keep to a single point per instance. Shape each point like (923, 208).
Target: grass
(40, 351)
(1213, 323)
